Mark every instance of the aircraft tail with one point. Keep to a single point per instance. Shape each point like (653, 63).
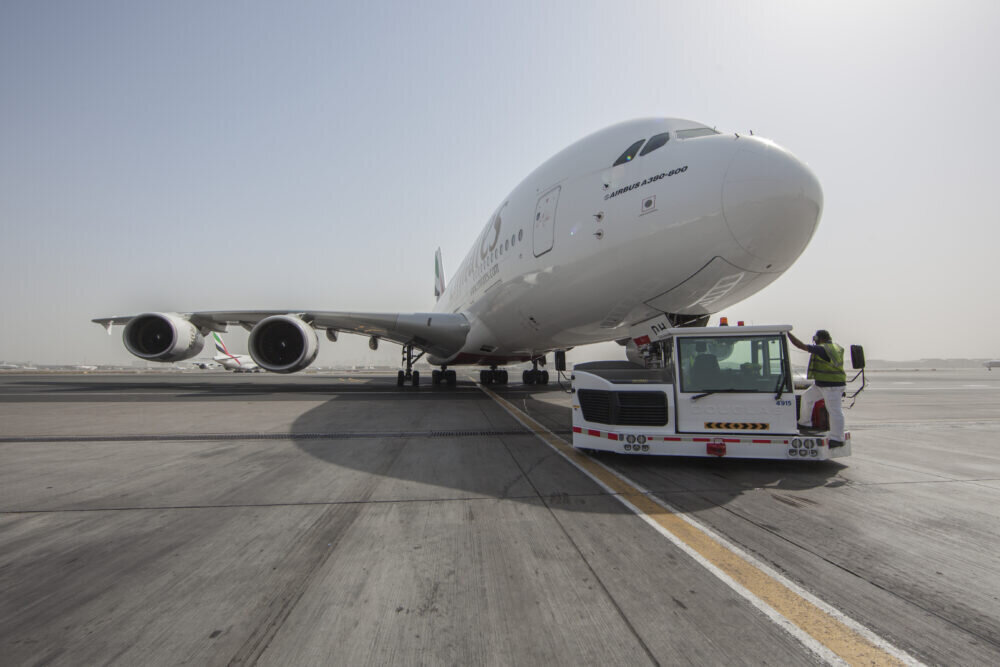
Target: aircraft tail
(438, 275)
(221, 347)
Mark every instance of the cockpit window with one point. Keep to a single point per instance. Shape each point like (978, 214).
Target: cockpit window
(630, 154)
(697, 132)
(655, 142)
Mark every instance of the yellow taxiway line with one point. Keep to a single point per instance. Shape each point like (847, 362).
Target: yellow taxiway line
(821, 628)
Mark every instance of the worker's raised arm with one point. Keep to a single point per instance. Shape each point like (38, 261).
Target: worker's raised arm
(796, 342)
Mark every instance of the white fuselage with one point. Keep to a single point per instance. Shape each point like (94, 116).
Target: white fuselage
(581, 249)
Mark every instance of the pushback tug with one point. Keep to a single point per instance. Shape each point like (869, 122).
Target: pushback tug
(701, 391)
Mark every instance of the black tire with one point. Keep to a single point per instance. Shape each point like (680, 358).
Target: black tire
(400, 378)
(416, 379)
(435, 377)
(545, 377)
(528, 377)
(503, 377)
(451, 378)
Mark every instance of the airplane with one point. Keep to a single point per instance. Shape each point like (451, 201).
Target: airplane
(991, 364)
(647, 217)
(239, 363)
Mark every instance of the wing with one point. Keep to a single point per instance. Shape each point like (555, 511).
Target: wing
(439, 334)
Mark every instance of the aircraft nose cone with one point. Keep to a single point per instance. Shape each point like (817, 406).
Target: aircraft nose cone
(772, 203)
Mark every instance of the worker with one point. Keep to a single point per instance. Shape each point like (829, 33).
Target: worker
(826, 369)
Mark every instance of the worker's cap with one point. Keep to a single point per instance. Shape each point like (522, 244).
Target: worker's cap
(823, 335)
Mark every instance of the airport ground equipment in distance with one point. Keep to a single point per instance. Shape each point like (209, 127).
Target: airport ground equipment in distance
(705, 392)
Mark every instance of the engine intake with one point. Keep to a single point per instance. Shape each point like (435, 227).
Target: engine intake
(163, 337)
(283, 344)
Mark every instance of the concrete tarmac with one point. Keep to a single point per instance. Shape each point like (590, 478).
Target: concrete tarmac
(212, 518)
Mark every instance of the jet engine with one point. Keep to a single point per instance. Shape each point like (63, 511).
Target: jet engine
(283, 344)
(162, 337)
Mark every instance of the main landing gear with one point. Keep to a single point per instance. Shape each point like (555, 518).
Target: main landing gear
(535, 376)
(493, 376)
(444, 375)
(409, 375)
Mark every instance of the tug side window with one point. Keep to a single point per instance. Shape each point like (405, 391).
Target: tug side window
(630, 153)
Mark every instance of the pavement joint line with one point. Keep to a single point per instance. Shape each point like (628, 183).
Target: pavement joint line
(924, 481)
(927, 423)
(197, 437)
(316, 503)
(822, 629)
(896, 466)
(551, 499)
(525, 474)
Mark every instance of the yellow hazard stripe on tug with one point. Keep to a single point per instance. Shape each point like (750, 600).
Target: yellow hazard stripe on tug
(827, 630)
(737, 426)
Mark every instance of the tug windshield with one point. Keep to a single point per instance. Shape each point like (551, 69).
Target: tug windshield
(741, 364)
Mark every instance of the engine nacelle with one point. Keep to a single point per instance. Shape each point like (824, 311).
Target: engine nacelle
(162, 337)
(283, 344)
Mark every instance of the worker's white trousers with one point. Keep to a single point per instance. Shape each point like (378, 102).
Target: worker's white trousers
(834, 407)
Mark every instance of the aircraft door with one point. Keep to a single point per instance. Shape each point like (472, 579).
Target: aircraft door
(544, 228)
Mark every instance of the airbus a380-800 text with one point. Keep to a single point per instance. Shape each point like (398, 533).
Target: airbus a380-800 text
(646, 218)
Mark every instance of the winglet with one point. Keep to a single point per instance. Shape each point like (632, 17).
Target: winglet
(438, 275)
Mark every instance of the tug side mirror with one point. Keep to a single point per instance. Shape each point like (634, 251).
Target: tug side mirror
(560, 360)
(857, 357)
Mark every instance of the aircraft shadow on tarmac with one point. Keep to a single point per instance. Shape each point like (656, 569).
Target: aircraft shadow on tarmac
(511, 462)
(430, 435)
(226, 386)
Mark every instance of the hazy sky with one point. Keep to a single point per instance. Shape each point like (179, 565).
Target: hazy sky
(251, 155)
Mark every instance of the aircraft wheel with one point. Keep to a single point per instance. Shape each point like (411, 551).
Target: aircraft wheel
(450, 378)
(528, 377)
(503, 377)
(416, 378)
(400, 378)
(545, 377)
(435, 377)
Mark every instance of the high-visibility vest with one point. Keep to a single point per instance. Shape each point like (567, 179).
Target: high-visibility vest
(828, 371)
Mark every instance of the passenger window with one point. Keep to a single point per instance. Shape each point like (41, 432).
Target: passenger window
(629, 154)
(655, 142)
